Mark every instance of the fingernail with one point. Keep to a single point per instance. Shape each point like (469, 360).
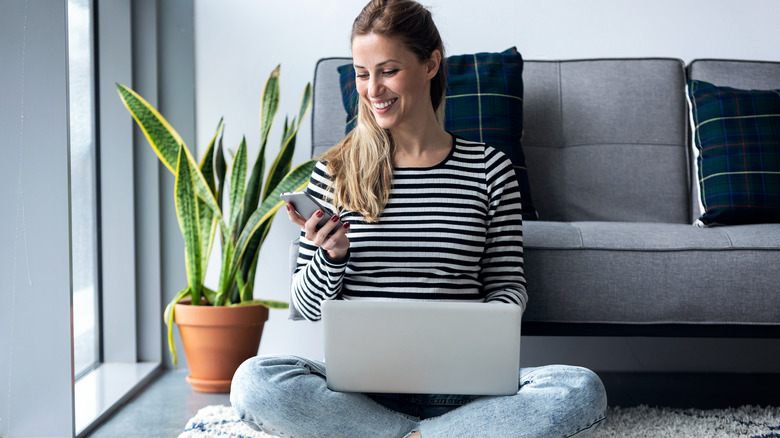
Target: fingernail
(335, 218)
(346, 225)
(289, 207)
(319, 213)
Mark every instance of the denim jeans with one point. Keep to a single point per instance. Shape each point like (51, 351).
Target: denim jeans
(288, 396)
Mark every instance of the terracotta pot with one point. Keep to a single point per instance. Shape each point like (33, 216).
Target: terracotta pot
(217, 340)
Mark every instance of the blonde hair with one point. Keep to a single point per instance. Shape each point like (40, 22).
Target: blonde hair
(361, 163)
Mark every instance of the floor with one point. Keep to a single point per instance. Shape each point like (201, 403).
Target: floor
(163, 408)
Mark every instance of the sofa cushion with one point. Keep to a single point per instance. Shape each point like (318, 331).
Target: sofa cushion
(484, 102)
(349, 95)
(650, 273)
(737, 137)
(746, 75)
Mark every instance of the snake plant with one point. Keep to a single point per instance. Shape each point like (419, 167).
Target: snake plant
(251, 204)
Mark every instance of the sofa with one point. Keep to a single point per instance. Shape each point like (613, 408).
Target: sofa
(612, 172)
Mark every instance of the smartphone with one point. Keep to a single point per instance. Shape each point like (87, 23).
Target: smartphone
(306, 205)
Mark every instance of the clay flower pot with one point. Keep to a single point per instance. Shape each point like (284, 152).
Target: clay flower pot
(217, 340)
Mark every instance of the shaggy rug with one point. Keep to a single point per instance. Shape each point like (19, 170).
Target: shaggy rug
(641, 421)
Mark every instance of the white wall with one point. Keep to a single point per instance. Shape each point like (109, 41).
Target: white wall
(239, 42)
(35, 250)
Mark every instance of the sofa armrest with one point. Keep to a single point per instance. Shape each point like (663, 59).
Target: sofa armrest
(294, 314)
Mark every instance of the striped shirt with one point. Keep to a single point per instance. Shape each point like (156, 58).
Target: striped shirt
(449, 232)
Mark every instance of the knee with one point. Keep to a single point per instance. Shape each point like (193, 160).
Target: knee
(587, 393)
(265, 390)
(253, 384)
(581, 387)
(591, 388)
(248, 381)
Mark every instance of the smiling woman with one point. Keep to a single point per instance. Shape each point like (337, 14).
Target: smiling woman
(427, 217)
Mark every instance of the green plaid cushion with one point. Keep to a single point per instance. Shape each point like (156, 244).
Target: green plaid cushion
(349, 95)
(484, 102)
(737, 135)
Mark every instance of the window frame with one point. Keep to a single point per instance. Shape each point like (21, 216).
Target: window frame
(139, 44)
(128, 194)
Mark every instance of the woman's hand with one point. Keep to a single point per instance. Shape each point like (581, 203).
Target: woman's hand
(336, 245)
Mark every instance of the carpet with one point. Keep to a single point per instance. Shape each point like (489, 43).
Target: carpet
(642, 421)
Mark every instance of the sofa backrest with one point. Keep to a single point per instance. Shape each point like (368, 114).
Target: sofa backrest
(747, 75)
(605, 140)
(328, 117)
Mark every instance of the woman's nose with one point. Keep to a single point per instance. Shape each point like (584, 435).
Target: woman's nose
(375, 87)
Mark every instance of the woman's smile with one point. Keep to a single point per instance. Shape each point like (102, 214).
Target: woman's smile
(382, 106)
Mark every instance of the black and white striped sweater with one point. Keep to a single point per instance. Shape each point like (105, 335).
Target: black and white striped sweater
(449, 232)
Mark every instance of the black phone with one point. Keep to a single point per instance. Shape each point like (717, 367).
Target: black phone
(306, 205)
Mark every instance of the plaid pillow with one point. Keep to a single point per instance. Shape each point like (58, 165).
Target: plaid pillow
(737, 135)
(484, 102)
(349, 95)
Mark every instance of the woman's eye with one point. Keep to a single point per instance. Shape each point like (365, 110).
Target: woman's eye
(389, 72)
(361, 75)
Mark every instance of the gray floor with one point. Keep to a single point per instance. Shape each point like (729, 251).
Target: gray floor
(164, 406)
(160, 410)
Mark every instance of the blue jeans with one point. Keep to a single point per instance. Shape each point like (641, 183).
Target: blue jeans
(288, 396)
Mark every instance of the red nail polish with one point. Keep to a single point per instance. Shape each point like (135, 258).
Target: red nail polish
(319, 213)
(335, 218)
(346, 225)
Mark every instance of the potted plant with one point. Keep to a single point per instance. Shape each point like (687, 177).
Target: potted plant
(212, 322)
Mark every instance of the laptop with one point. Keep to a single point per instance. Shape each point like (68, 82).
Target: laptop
(421, 347)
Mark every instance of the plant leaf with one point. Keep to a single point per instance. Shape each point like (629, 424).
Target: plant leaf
(221, 171)
(281, 164)
(226, 274)
(269, 104)
(165, 142)
(248, 271)
(271, 304)
(168, 317)
(207, 162)
(162, 137)
(237, 182)
(253, 190)
(208, 220)
(246, 291)
(296, 180)
(305, 103)
(209, 295)
(248, 265)
(189, 218)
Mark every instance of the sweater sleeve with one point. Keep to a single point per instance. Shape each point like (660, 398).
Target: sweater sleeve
(316, 276)
(501, 268)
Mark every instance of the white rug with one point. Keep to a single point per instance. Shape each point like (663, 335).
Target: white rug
(645, 422)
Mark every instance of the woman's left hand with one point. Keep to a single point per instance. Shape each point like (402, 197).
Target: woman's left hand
(335, 243)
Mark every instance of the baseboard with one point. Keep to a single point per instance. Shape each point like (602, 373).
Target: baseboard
(691, 390)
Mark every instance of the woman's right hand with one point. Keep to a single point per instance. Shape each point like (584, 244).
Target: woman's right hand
(336, 245)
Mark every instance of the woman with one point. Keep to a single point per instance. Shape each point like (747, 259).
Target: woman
(425, 216)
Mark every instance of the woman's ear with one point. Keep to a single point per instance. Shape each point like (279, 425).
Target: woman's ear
(434, 64)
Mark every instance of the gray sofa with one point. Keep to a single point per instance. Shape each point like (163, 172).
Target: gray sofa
(609, 156)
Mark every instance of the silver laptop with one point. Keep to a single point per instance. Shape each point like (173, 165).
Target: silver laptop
(422, 347)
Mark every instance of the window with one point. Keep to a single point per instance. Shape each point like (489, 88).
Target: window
(83, 188)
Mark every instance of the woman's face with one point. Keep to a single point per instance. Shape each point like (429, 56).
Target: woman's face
(392, 81)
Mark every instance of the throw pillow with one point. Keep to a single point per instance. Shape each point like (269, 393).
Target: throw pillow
(484, 102)
(349, 95)
(737, 136)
